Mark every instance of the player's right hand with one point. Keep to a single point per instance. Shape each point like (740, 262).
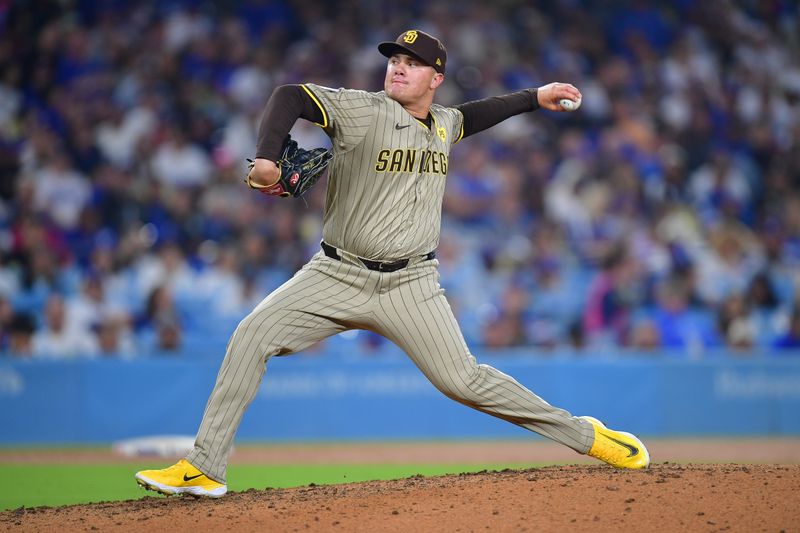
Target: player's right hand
(550, 94)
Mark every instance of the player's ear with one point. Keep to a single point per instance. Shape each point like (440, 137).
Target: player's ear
(437, 80)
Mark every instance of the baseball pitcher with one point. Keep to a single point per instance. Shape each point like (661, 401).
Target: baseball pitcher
(377, 268)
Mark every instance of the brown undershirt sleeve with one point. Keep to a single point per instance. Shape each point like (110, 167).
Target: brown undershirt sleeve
(482, 114)
(286, 104)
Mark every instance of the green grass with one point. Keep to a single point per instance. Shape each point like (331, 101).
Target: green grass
(59, 484)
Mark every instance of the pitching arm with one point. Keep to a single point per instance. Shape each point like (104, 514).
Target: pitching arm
(482, 114)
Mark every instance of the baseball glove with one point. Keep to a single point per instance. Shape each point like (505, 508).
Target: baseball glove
(300, 170)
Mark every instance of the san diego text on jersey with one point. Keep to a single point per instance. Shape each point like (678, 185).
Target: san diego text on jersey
(409, 160)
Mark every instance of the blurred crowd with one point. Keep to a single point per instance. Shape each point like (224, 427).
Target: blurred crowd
(664, 214)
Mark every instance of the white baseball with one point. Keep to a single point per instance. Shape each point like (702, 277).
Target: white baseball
(568, 105)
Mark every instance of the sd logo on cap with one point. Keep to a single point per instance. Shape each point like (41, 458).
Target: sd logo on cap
(419, 44)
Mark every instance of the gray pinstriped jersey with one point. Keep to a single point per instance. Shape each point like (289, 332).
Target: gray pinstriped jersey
(387, 176)
(384, 203)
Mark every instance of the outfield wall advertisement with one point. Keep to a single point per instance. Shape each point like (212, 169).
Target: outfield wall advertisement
(332, 398)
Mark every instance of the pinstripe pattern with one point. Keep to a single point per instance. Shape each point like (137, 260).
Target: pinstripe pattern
(409, 308)
(384, 200)
(365, 206)
(311, 306)
(416, 316)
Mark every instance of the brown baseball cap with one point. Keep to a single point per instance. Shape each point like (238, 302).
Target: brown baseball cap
(418, 44)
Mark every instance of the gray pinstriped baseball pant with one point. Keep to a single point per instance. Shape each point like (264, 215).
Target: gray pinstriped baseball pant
(409, 308)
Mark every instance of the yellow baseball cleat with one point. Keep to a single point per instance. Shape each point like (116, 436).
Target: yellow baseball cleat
(617, 448)
(181, 478)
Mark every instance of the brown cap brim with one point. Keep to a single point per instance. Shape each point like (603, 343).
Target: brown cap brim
(390, 48)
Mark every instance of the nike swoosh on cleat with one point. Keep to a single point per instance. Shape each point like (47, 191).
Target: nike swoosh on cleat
(189, 478)
(399, 127)
(631, 448)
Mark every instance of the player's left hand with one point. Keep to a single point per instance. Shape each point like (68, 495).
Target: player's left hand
(549, 95)
(299, 170)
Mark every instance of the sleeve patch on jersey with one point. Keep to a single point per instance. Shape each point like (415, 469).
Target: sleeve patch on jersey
(325, 121)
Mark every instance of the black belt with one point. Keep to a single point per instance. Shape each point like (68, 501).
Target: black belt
(333, 253)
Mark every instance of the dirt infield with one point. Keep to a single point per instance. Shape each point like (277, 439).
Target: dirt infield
(581, 497)
(666, 497)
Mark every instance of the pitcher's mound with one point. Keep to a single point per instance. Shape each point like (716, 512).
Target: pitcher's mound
(666, 497)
